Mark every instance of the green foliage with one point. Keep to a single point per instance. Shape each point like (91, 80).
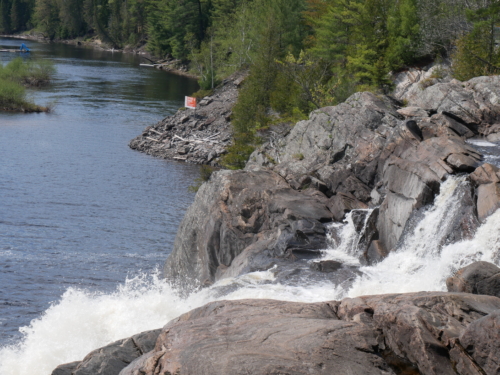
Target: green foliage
(403, 30)
(175, 25)
(238, 154)
(200, 94)
(29, 72)
(19, 73)
(205, 173)
(12, 95)
(477, 52)
(278, 30)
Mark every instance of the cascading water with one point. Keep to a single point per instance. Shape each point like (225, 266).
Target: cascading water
(420, 263)
(345, 239)
(81, 321)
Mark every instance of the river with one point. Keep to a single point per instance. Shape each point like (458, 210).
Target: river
(78, 208)
(84, 221)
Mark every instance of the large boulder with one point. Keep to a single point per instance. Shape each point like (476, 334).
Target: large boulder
(387, 334)
(487, 179)
(475, 103)
(481, 340)
(476, 278)
(488, 199)
(237, 209)
(111, 359)
(339, 145)
(412, 175)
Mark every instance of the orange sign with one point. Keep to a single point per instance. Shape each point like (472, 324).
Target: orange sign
(190, 102)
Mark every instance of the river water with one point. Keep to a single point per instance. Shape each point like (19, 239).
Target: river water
(83, 216)
(78, 208)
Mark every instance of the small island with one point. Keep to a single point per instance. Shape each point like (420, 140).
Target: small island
(18, 75)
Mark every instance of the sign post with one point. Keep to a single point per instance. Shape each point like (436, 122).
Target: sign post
(190, 102)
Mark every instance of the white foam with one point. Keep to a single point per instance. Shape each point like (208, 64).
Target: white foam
(420, 264)
(347, 251)
(81, 322)
(481, 143)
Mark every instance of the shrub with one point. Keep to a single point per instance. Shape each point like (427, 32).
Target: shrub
(12, 95)
(19, 73)
(205, 173)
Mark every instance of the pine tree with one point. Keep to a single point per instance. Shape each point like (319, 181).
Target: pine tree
(5, 16)
(15, 16)
(47, 18)
(477, 51)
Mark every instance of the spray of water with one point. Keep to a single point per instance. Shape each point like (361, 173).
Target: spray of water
(420, 264)
(81, 322)
(345, 240)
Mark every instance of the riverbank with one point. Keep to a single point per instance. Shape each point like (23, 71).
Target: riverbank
(370, 199)
(198, 136)
(169, 65)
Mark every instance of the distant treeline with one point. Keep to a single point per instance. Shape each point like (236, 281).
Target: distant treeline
(301, 54)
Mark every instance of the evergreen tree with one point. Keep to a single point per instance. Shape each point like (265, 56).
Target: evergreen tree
(477, 51)
(15, 16)
(353, 35)
(70, 18)
(47, 17)
(403, 33)
(5, 16)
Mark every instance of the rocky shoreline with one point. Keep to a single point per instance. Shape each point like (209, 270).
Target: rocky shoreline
(433, 333)
(390, 154)
(199, 136)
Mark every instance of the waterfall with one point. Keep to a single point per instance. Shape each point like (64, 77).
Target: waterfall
(81, 321)
(421, 262)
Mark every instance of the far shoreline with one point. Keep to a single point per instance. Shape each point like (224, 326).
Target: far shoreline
(171, 66)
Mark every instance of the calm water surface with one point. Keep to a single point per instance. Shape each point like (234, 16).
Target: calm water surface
(77, 206)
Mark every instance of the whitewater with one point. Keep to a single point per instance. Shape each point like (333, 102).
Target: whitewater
(82, 321)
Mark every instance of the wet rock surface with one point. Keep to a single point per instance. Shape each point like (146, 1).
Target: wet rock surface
(420, 333)
(111, 359)
(477, 278)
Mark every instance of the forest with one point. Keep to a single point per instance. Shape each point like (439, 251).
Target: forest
(300, 54)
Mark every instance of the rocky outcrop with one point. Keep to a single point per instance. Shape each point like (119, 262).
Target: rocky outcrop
(237, 210)
(111, 359)
(365, 152)
(421, 333)
(487, 180)
(480, 340)
(198, 135)
(477, 278)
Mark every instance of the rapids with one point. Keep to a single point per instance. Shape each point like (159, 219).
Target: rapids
(83, 318)
(81, 321)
